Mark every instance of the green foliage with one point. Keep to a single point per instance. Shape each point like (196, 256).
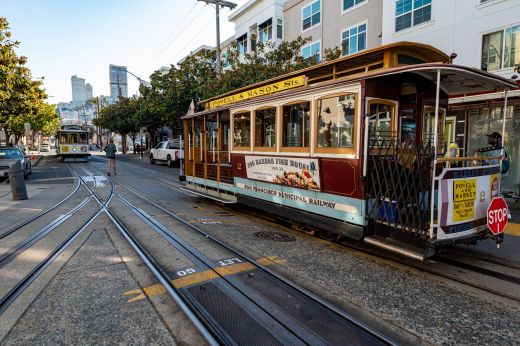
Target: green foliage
(21, 98)
(195, 78)
(121, 117)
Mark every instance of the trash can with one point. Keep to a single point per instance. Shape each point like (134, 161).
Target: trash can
(16, 179)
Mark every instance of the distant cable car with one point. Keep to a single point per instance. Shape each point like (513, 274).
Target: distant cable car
(72, 142)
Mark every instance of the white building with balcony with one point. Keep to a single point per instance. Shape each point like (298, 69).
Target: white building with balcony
(484, 34)
(258, 21)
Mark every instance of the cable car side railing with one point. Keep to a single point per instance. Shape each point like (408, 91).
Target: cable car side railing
(399, 182)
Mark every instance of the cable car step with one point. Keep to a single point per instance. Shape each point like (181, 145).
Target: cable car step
(211, 194)
(396, 246)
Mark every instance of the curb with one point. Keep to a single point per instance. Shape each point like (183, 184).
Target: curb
(37, 161)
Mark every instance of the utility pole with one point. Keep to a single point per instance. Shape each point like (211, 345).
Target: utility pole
(218, 4)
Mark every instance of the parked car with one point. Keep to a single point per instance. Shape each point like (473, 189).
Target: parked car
(8, 157)
(44, 148)
(166, 151)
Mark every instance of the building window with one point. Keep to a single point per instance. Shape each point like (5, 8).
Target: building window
(312, 50)
(351, 3)
(412, 12)
(296, 118)
(336, 122)
(501, 49)
(354, 39)
(242, 44)
(242, 129)
(279, 29)
(311, 15)
(265, 128)
(265, 31)
(512, 47)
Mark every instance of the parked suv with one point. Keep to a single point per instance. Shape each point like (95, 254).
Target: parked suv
(166, 151)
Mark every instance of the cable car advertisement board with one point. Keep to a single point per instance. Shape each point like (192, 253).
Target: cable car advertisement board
(291, 171)
(464, 196)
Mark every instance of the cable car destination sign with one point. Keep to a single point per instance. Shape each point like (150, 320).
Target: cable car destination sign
(272, 88)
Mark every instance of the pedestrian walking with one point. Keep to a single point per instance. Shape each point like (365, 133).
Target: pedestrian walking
(110, 150)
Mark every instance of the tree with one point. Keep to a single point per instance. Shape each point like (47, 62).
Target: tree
(121, 117)
(20, 96)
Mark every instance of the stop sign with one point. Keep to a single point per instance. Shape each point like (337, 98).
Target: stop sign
(497, 215)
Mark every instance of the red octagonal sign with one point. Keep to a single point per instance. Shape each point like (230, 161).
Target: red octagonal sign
(497, 215)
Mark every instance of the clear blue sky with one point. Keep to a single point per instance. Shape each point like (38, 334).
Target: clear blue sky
(66, 37)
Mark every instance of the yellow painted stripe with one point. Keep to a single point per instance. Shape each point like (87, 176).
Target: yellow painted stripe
(200, 277)
(513, 229)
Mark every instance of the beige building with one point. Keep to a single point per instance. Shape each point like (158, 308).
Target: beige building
(352, 25)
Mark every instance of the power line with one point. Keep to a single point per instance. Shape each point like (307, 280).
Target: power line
(218, 4)
(170, 39)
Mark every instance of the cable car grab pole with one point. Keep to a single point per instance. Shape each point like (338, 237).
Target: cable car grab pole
(435, 141)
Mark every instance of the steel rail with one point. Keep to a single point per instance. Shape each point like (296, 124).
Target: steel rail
(5, 234)
(14, 252)
(336, 312)
(392, 257)
(207, 264)
(20, 287)
(380, 253)
(161, 276)
(305, 292)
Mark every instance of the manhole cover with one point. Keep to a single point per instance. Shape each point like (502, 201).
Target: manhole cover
(275, 236)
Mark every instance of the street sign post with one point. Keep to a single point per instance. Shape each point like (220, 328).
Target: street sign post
(497, 213)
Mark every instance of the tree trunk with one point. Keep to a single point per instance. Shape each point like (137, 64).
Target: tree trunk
(133, 141)
(123, 142)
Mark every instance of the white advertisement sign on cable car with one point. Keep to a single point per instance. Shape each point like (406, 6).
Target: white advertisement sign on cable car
(292, 171)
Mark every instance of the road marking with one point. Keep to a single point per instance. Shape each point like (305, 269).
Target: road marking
(513, 229)
(207, 275)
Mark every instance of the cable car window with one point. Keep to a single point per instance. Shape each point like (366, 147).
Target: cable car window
(197, 134)
(73, 138)
(380, 121)
(296, 119)
(265, 128)
(64, 138)
(336, 121)
(242, 129)
(83, 138)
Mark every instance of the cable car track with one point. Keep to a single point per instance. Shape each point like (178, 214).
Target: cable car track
(282, 318)
(25, 223)
(380, 253)
(15, 291)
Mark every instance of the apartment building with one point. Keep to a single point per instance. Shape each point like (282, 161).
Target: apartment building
(258, 21)
(484, 34)
(351, 25)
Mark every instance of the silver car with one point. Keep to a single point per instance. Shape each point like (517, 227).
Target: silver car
(8, 157)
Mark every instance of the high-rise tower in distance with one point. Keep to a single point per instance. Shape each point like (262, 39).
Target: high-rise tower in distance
(118, 81)
(78, 90)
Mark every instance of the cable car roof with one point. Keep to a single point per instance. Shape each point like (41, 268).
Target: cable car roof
(456, 80)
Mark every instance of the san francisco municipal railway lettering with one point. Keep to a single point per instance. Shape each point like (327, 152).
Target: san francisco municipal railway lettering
(292, 196)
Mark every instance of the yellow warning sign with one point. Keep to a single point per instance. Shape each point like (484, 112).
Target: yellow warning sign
(463, 210)
(464, 195)
(464, 190)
